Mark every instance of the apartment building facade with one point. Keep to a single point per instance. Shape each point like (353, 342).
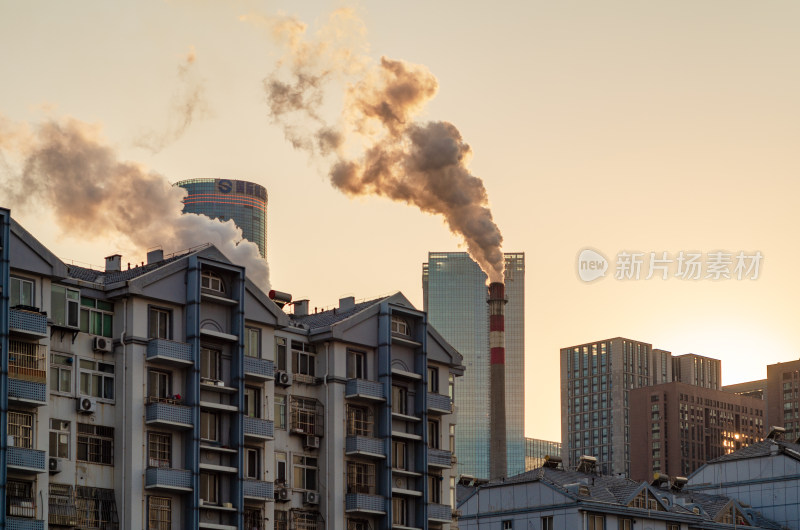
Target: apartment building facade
(783, 397)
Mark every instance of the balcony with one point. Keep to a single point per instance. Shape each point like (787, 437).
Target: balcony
(439, 404)
(168, 479)
(258, 428)
(29, 323)
(440, 513)
(27, 392)
(439, 458)
(256, 368)
(28, 461)
(365, 503)
(21, 523)
(364, 446)
(169, 352)
(258, 489)
(168, 413)
(365, 390)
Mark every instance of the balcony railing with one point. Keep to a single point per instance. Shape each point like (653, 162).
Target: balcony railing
(19, 523)
(364, 389)
(365, 446)
(258, 489)
(259, 428)
(440, 513)
(27, 392)
(363, 502)
(27, 361)
(26, 460)
(168, 413)
(28, 322)
(439, 458)
(169, 351)
(259, 368)
(171, 479)
(439, 403)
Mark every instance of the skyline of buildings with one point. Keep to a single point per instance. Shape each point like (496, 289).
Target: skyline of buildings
(455, 297)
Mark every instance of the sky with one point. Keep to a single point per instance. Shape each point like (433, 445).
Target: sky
(618, 126)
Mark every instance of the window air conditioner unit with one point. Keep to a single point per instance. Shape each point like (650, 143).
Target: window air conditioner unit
(54, 465)
(311, 442)
(86, 405)
(283, 378)
(102, 345)
(283, 495)
(311, 497)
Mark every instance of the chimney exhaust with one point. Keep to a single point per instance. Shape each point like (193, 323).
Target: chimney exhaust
(114, 263)
(497, 373)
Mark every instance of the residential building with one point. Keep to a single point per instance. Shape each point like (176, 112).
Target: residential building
(755, 389)
(227, 199)
(678, 427)
(783, 397)
(176, 394)
(536, 452)
(697, 370)
(552, 498)
(455, 297)
(764, 475)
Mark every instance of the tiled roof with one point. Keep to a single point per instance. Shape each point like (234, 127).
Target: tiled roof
(107, 278)
(762, 449)
(332, 316)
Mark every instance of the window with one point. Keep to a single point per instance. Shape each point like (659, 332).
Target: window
(159, 385)
(97, 509)
(159, 514)
(281, 520)
(626, 524)
(399, 511)
(20, 427)
(252, 463)
(95, 444)
(252, 342)
(209, 488)
(508, 524)
(305, 472)
(252, 402)
(208, 426)
(20, 292)
(360, 478)
(61, 503)
(399, 400)
(596, 522)
(64, 304)
(302, 358)
(453, 493)
(20, 498)
(280, 468)
(673, 526)
(212, 281)
(61, 373)
(433, 434)
(59, 438)
(433, 380)
(209, 364)
(97, 379)
(280, 353)
(159, 449)
(359, 421)
(399, 326)
(358, 524)
(96, 317)
(452, 437)
(435, 489)
(159, 324)
(307, 416)
(451, 387)
(253, 519)
(280, 411)
(399, 455)
(356, 365)
(547, 522)
(304, 520)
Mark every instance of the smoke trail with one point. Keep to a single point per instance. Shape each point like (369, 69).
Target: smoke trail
(188, 104)
(398, 157)
(66, 167)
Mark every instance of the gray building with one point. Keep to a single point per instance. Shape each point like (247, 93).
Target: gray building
(455, 297)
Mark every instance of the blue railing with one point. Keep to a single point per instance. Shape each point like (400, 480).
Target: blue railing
(28, 321)
(156, 477)
(20, 523)
(363, 502)
(169, 414)
(27, 459)
(259, 427)
(169, 350)
(364, 388)
(27, 391)
(364, 444)
(258, 489)
(259, 367)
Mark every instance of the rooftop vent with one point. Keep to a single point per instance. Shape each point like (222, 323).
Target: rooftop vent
(114, 263)
(348, 302)
(155, 255)
(301, 308)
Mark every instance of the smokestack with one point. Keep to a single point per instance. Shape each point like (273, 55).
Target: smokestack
(497, 373)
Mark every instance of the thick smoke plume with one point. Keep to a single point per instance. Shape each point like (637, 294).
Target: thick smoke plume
(188, 103)
(396, 156)
(66, 167)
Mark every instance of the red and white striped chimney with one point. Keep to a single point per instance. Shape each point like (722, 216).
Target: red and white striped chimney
(497, 380)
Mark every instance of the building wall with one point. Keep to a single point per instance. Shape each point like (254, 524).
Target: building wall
(679, 427)
(697, 370)
(783, 397)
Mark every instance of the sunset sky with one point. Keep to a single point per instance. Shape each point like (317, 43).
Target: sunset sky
(617, 126)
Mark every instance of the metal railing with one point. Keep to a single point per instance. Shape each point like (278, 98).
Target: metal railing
(27, 361)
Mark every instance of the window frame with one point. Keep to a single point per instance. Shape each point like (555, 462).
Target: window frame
(399, 511)
(433, 379)
(281, 349)
(94, 316)
(206, 423)
(95, 444)
(56, 440)
(61, 368)
(209, 485)
(399, 400)
(20, 281)
(280, 411)
(356, 364)
(154, 332)
(159, 449)
(252, 334)
(305, 470)
(161, 508)
(154, 394)
(20, 427)
(212, 281)
(399, 452)
(360, 420)
(252, 457)
(360, 477)
(104, 377)
(434, 434)
(281, 468)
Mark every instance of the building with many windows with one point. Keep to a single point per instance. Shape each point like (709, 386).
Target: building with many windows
(783, 397)
(227, 199)
(178, 395)
(455, 297)
(536, 451)
(697, 370)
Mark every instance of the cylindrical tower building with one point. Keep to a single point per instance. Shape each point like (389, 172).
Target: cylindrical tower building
(243, 202)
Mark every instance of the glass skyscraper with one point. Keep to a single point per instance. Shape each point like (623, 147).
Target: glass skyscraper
(243, 202)
(455, 292)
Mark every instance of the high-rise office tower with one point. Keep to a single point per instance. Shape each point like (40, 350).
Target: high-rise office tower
(783, 397)
(243, 202)
(455, 298)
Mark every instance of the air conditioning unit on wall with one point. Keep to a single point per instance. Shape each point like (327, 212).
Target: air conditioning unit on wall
(86, 405)
(311, 442)
(102, 345)
(283, 378)
(55, 465)
(283, 494)
(311, 497)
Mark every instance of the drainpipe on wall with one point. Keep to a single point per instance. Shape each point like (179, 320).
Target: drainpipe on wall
(327, 438)
(124, 405)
